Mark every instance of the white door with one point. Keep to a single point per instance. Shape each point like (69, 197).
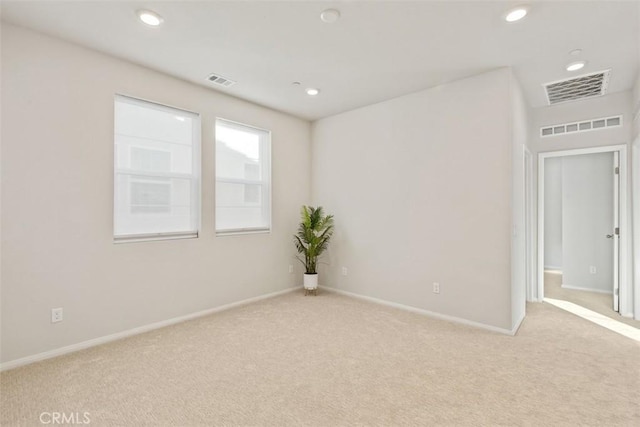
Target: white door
(588, 201)
(615, 232)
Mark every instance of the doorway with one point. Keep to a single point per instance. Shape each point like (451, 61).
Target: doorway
(580, 235)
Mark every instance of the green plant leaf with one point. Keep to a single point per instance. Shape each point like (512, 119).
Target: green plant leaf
(313, 235)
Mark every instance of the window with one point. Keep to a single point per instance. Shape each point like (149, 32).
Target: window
(156, 171)
(243, 189)
(150, 196)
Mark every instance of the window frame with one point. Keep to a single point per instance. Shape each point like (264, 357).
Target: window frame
(195, 177)
(265, 183)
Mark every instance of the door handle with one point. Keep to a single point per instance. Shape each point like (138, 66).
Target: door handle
(609, 236)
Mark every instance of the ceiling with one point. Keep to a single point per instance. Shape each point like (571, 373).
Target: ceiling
(377, 50)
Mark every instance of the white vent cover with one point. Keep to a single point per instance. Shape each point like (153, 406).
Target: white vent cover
(585, 126)
(585, 86)
(221, 81)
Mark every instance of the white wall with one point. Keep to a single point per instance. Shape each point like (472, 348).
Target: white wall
(553, 213)
(57, 202)
(587, 217)
(421, 189)
(603, 106)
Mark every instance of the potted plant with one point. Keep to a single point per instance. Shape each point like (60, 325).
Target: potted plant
(312, 239)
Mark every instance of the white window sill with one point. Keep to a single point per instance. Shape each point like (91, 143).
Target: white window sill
(136, 238)
(242, 231)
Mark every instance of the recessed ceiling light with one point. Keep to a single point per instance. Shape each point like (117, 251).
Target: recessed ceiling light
(150, 18)
(312, 91)
(330, 16)
(516, 14)
(575, 52)
(296, 83)
(575, 66)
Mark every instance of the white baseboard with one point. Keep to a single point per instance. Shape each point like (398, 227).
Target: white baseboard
(578, 288)
(516, 327)
(135, 331)
(427, 312)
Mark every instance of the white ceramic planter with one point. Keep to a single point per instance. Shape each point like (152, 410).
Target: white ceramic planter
(311, 281)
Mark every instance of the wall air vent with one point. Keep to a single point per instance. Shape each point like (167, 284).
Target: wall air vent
(584, 126)
(581, 87)
(220, 81)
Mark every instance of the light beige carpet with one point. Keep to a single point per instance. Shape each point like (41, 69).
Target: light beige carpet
(332, 360)
(595, 301)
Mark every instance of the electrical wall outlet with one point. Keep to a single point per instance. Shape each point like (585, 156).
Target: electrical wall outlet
(592, 269)
(436, 287)
(56, 315)
(344, 271)
(290, 268)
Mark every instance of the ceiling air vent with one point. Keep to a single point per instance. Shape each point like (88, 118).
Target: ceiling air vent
(585, 86)
(220, 81)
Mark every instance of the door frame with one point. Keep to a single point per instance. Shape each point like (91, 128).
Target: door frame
(537, 294)
(616, 224)
(529, 203)
(635, 262)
